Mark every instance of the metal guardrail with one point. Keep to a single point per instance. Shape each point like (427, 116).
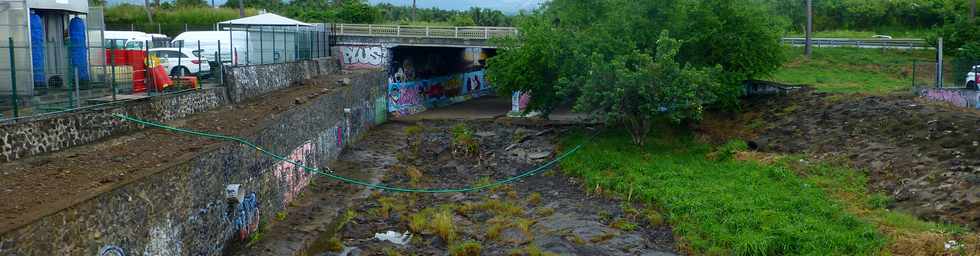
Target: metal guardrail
(860, 43)
(423, 31)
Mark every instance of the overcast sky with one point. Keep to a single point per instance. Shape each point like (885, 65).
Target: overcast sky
(508, 6)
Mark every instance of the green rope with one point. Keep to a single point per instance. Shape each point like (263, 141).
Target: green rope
(329, 174)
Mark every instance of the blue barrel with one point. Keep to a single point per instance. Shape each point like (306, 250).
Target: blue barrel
(78, 49)
(37, 50)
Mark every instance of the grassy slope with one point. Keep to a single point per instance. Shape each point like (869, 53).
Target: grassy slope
(750, 207)
(852, 70)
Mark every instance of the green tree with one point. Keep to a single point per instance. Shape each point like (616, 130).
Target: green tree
(635, 89)
(196, 3)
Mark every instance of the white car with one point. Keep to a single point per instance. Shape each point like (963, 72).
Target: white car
(181, 62)
(971, 78)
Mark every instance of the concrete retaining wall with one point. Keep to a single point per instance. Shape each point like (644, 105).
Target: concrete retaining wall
(182, 209)
(247, 82)
(33, 136)
(958, 97)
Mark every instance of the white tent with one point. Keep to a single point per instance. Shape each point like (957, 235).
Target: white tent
(267, 19)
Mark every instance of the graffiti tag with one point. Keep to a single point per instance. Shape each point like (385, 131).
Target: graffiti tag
(294, 178)
(111, 250)
(364, 57)
(247, 219)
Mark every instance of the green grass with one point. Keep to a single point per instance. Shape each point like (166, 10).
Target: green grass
(852, 70)
(723, 206)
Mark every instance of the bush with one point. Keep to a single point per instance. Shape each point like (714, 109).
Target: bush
(468, 248)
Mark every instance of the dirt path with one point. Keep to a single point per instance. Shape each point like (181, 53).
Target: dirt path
(37, 186)
(544, 213)
(926, 155)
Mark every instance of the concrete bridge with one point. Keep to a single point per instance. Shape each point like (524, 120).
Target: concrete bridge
(422, 36)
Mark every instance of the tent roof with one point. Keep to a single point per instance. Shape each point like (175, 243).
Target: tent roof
(267, 19)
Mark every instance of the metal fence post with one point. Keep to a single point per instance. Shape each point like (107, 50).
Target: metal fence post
(199, 53)
(112, 65)
(180, 55)
(13, 77)
(231, 45)
(296, 43)
(274, 45)
(248, 57)
(221, 66)
(76, 94)
(285, 51)
(913, 77)
(261, 44)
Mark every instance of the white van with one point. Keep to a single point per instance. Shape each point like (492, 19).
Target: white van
(129, 40)
(205, 44)
(240, 47)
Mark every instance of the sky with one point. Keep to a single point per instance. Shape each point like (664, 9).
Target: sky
(507, 6)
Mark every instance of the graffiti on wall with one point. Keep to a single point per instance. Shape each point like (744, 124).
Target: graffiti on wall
(406, 98)
(364, 56)
(519, 101)
(246, 219)
(292, 177)
(111, 250)
(164, 240)
(960, 98)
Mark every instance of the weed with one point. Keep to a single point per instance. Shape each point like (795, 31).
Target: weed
(525, 226)
(281, 215)
(530, 250)
(419, 222)
(414, 174)
(414, 136)
(653, 217)
(518, 136)
(624, 225)
(545, 211)
(605, 216)
(512, 195)
(442, 225)
(334, 244)
(879, 201)
(534, 198)
(602, 238)
(728, 150)
(392, 252)
(464, 143)
(468, 248)
(497, 207)
(385, 204)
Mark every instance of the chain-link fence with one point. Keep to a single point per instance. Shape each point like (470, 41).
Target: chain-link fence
(41, 71)
(955, 73)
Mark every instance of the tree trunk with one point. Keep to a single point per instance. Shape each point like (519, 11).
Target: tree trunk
(413, 10)
(149, 10)
(973, 10)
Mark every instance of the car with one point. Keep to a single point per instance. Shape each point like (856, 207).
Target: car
(881, 37)
(181, 62)
(971, 78)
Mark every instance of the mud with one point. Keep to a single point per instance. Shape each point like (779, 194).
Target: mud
(41, 185)
(549, 212)
(926, 155)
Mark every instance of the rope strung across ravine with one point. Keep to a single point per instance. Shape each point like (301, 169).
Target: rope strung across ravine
(329, 174)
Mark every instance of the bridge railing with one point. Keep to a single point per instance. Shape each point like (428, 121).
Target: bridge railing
(423, 31)
(861, 43)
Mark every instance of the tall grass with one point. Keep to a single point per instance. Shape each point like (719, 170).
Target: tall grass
(723, 207)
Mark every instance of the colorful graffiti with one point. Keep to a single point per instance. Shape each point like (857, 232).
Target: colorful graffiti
(292, 177)
(364, 56)
(957, 97)
(519, 101)
(111, 250)
(247, 216)
(406, 98)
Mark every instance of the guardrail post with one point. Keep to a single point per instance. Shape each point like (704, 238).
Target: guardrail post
(13, 77)
(370, 29)
(486, 33)
(426, 31)
(457, 32)
(398, 31)
(341, 29)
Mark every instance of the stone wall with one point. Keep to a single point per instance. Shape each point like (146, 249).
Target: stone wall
(247, 82)
(182, 209)
(958, 97)
(43, 134)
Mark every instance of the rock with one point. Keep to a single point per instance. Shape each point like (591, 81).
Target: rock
(457, 197)
(539, 155)
(345, 81)
(298, 101)
(486, 134)
(347, 251)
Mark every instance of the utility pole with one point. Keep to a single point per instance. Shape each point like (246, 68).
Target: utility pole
(241, 8)
(808, 48)
(413, 10)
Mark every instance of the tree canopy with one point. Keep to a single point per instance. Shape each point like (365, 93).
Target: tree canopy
(629, 62)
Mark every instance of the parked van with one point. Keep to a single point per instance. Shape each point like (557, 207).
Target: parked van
(129, 40)
(205, 44)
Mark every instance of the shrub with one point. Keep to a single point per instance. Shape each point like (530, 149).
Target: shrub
(468, 248)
